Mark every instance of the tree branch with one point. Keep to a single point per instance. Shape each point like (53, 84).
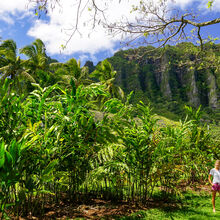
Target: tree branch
(153, 23)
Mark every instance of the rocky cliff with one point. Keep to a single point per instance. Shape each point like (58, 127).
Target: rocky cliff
(174, 75)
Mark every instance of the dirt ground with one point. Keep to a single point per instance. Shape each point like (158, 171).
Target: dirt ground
(103, 209)
(95, 209)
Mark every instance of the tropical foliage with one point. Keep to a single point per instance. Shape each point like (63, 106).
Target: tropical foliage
(172, 77)
(55, 142)
(11, 65)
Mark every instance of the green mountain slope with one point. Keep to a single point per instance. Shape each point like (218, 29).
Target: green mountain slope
(172, 77)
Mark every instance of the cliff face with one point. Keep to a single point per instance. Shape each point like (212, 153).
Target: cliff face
(213, 91)
(177, 74)
(170, 78)
(192, 92)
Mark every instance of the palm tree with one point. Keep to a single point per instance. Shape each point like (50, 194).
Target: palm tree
(106, 75)
(11, 65)
(36, 52)
(72, 70)
(39, 63)
(78, 74)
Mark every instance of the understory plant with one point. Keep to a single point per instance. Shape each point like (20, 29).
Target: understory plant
(57, 143)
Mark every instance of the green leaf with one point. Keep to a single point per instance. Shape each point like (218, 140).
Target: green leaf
(72, 83)
(210, 3)
(43, 191)
(8, 158)
(2, 154)
(146, 34)
(14, 150)
(49, 168)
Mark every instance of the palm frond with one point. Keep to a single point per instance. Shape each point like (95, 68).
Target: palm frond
(9, 49)
(4, 68)
(28, 51)
(28, 76)
(40, 47)
(56, 65)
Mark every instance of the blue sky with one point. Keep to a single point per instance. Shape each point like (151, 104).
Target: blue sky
(18, 22)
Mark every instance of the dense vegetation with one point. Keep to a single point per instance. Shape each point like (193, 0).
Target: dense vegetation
(172, 77)
(65, 133)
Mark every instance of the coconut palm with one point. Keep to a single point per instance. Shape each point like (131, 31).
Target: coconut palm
(36, 52)
(106, 75)
(39, 63)
(72, 70)
(12, 66)
(78, 74)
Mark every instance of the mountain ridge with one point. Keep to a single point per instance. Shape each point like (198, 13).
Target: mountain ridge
(174, 76)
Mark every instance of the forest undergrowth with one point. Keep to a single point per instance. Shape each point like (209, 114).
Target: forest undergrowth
(52, 147)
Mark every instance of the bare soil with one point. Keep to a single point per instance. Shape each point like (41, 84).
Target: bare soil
(104, 209)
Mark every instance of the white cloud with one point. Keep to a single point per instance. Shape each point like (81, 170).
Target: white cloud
(202, 5)
(83, 58)
(182, 3)
(14, 9)
(6, 18)
(13, 5)
(56, 32)
(215, 7)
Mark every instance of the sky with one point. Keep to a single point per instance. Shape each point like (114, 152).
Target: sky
(18, 21)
